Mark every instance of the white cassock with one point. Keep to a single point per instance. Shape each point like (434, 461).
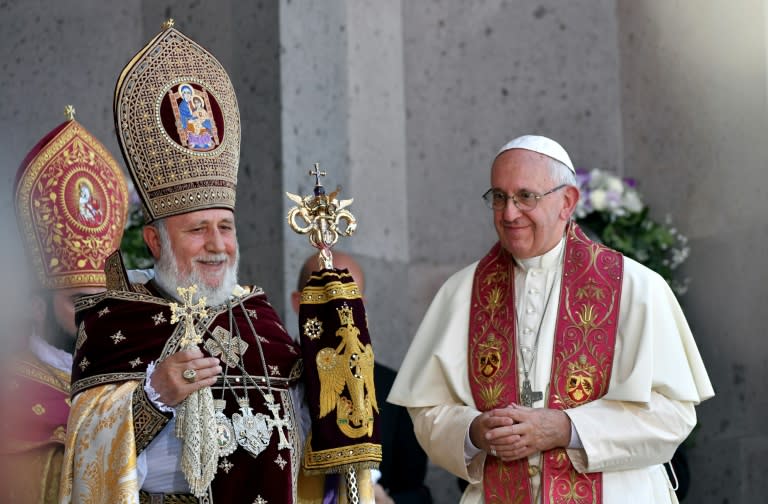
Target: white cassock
(657, 378)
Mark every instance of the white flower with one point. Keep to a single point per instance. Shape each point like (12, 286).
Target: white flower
(599, 199)
(595, 178)
(614, 184)
(632, 201)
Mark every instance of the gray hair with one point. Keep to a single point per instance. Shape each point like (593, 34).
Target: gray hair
(162, 232)
(560, 173)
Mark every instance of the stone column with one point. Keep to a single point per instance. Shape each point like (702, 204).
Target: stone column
(694, 113)
(342, 83)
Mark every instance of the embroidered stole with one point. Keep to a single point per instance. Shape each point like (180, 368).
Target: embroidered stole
(585, 335)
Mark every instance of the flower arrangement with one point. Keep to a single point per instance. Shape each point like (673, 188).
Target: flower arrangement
(612, 211)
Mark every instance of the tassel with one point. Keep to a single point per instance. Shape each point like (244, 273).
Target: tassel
(200, 455)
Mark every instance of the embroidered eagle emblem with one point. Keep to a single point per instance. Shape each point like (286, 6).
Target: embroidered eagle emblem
(348, 366)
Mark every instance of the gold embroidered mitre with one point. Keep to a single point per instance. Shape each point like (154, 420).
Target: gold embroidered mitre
(71, 204)
(178, 125)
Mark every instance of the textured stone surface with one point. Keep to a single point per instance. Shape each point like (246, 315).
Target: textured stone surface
(313, 46)
(478, 74)
(54, 54)
(343, 107)
(694, 118)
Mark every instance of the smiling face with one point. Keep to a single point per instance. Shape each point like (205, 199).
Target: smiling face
(535, 232)
(201, 249)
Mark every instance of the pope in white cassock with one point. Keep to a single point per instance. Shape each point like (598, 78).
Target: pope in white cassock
(554, 369)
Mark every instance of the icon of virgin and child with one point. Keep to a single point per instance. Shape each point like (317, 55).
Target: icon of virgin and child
(195, 118)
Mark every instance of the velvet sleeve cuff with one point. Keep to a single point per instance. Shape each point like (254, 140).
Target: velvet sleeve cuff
(148, 421)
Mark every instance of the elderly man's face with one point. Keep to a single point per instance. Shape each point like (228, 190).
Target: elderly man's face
(535, 232)
(204, 243)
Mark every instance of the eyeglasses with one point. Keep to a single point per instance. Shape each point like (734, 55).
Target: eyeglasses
(524, 200)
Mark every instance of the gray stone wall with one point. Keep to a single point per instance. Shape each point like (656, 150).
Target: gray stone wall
(315, 103)
(59, 53)
(694, 123)
(405, 103)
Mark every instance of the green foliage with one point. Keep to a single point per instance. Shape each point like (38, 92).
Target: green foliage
(135, 252)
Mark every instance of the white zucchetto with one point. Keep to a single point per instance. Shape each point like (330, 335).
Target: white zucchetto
(542, 145)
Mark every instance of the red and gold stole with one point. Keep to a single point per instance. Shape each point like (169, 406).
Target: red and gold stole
(585, 335)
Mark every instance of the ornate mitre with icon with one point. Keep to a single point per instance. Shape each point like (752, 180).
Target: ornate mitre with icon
(336, 346)
(178, 124)
(71, 206)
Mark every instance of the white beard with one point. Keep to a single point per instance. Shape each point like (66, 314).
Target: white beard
(168, 277)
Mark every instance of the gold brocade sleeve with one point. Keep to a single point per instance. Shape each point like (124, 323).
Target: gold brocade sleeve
(100, 454)
(148, 421)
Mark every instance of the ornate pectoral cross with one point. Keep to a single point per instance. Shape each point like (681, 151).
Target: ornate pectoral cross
(187, 313)
(528, 396)
(278, 423)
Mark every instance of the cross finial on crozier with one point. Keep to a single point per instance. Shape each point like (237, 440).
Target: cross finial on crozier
(317, 174)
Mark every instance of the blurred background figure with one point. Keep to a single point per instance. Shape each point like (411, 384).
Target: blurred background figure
(65, 253)
(404, 464)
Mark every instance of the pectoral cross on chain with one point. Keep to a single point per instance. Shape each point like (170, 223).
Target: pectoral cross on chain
(528, 396)
(187, 313)
(278, 423)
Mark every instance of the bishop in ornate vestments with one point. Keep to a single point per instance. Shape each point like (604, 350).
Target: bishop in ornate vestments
(66, 255)
(186, 386)
(554, 369)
